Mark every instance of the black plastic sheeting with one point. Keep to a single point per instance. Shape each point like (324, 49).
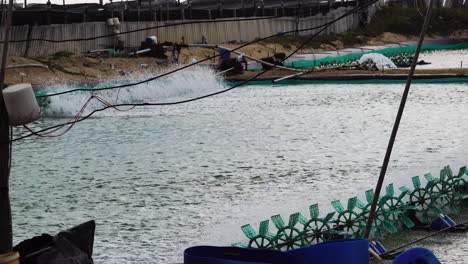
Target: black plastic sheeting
(73, 246)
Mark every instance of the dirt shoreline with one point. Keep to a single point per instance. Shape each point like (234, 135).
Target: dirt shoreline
(67, 67)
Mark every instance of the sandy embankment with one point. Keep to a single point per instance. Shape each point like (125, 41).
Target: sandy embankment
(66, 67)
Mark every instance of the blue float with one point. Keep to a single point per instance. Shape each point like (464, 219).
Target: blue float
(416, 255)
(235, 255)
(442, 222)
(346, 251)
(343, 251)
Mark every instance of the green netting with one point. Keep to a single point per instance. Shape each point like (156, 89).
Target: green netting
(446, 194)
(391, 52)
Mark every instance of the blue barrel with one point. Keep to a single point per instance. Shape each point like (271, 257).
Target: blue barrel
(224, 54)
(234, 255)
(449, 220)
(440, 223)
(377, 247)
(416, 255)
(381, 247)
(344, 251)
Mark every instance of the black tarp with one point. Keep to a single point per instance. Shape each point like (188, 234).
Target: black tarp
(72, 246)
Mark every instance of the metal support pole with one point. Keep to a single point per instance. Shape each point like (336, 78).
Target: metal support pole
(282, 7)
(386, 160)
(243, 8)
(254, 8)
(6, 227)
(297, 22)
(150, 2)
(220, 9)
(190, 9)
(65, 19)
(138, 10)
(168, 11)
(85, 14)
(112, 8)
(49, 6)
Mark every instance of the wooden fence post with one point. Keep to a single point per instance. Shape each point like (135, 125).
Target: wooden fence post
(28, 42)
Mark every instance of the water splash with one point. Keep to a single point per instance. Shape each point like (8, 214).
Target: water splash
(192, 82)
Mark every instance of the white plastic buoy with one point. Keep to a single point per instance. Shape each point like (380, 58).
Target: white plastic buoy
(110, 22)
(116, 21)
(21, 104)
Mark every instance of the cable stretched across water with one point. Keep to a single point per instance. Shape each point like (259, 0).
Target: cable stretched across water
(203, 96)
(142, 29)
(396, 125)
(423, 238)
(326, 25)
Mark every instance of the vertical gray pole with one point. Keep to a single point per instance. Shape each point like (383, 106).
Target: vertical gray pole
(243, 8)
(64, 13)
(85, 14)
(220, 9)
(138, 10)
(28, 40)
(282, 7)
(6, 227)
(297, 22)
(112, 8)
(388, 153)
(160, 13)
(151, 9)
(254, 7)
(190, 9)
(49, 6)
(25, 3)
(2, 21)
(167, 9)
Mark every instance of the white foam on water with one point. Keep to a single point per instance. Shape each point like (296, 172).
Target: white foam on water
(189, 83)
(445, 59)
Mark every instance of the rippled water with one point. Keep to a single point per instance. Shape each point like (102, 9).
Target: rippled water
(158, 180)
(447, 59)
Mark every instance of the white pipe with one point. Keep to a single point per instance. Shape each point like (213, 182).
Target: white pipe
(140, 52)
(27, 65)
(289, 76)
(219, 73)
(99, 50)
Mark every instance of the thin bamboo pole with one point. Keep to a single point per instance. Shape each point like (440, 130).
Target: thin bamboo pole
(6, 227)
(388, 153)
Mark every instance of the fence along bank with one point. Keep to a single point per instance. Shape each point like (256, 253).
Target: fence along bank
(215, 33)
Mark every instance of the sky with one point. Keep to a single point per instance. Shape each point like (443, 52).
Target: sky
(59, 2)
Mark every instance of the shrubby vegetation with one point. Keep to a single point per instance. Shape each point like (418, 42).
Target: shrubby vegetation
(401, 20)
(408, 21)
